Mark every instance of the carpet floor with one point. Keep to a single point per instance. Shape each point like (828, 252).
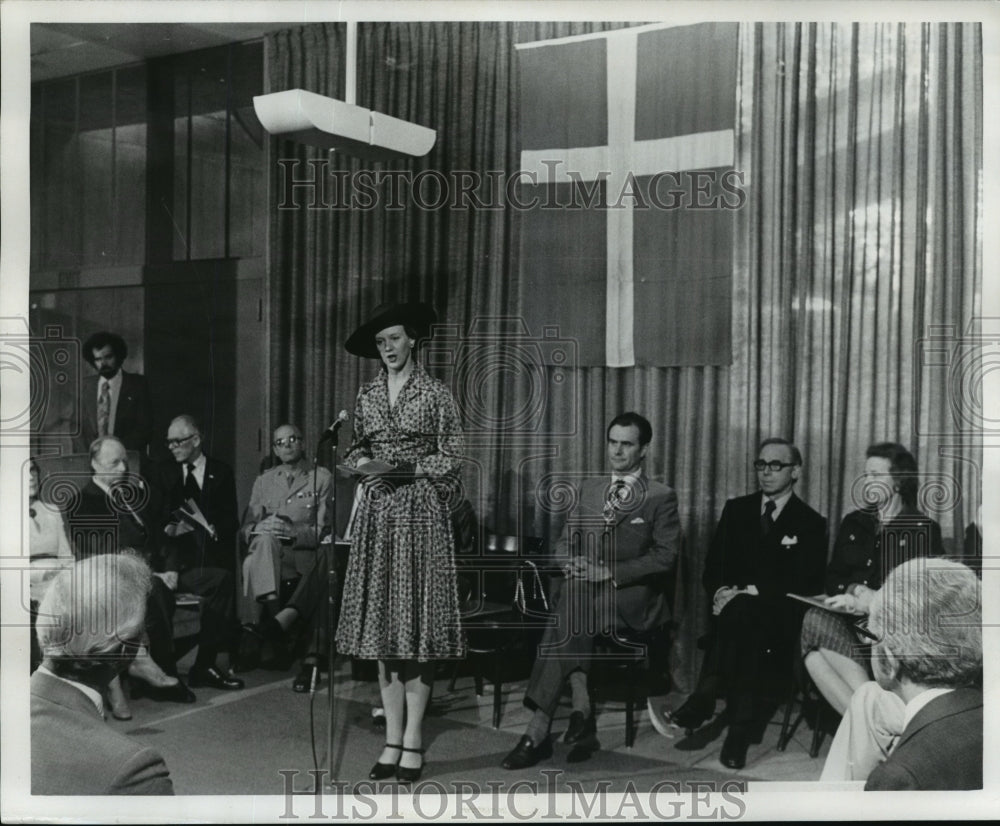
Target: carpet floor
(266, 739)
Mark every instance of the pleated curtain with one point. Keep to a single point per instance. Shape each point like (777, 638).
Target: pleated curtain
(858, 247)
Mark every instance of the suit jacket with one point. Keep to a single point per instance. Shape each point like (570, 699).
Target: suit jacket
(641, 545)
(133, 415)
(196, 549)
(940, 750)
(73, 751)
(866, 551)
(137, 528)
(792, 558)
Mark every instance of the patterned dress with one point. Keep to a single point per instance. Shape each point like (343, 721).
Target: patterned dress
(400, 591)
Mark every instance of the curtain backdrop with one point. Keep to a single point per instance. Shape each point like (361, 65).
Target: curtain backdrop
(861, 147)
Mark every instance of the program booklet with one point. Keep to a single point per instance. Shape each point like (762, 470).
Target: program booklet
(819, 602)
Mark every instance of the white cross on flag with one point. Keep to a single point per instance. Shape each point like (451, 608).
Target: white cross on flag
(628, 193)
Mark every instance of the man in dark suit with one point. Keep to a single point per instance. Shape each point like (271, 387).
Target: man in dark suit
(90, 623)
(617, 547)
(767, 544)
(113, 402)
(117, 509)
(197, 559)
(928, 654)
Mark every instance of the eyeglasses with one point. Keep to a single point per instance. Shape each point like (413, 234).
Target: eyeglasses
(862, 630)
(287, 442)
(179, 442)
(774, 467)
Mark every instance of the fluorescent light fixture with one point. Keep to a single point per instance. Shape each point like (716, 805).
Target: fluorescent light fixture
(307, 117)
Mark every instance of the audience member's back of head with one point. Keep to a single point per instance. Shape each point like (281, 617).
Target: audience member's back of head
(929, 616)
(93, 610)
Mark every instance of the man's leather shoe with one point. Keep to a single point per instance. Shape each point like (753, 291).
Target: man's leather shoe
(693, 713)
(213, 678)
(580, 727)
(734, 749)
(526, 753)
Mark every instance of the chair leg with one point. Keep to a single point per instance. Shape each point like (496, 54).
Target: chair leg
(497, 697)
(786, 732)
(454, 676)
(817, 738)
(630, 676)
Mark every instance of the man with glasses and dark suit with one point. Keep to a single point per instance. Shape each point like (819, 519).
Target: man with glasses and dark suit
(767, 544)
(200, 559)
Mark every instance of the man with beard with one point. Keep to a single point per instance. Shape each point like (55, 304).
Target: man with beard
(113, 402)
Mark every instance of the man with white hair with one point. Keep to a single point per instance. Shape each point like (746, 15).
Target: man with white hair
(89, 627)
(921, 726)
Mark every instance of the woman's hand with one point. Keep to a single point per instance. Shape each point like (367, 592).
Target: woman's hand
(844, 602)
(864, 596)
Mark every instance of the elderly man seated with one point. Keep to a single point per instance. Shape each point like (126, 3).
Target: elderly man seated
(89, 628)
(284, 521)
(920, 727)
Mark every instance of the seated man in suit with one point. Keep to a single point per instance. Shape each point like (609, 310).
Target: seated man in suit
(89, 627)
(920, 726)
(113, 402)
(199, 560)
(286, 514)
(767, 544)
(617, 546)
(117, 509)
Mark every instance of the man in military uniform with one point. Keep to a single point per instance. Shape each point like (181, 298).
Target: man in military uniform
(285, 519)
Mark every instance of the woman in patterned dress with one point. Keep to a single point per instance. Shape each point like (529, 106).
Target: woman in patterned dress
(888, 531)
(400, 603)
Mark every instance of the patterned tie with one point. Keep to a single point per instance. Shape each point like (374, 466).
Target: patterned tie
(613, 500)
(766, 520)
(103, 408)
(191, 489)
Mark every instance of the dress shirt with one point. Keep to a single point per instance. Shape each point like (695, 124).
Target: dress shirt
(94, 696)
(779, 504)
(920, 701)
(199, 470)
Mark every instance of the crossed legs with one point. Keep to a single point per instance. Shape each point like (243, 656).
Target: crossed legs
(836, 676)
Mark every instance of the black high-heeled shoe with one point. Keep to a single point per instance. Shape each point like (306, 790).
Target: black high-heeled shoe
(407, 775)
(380, 771)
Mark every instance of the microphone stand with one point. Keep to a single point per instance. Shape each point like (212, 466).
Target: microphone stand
(331, 600)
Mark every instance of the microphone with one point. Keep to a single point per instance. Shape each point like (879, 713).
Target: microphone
(331, 431)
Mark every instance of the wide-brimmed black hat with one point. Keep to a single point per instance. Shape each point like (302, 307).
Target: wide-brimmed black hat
(414, 314)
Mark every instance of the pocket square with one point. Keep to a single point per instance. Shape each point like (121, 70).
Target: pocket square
(637, 521)
(788, 541)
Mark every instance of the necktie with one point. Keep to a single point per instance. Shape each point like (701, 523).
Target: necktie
(613, 500)
(191, 489)
(103, 408)
(766, 520)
